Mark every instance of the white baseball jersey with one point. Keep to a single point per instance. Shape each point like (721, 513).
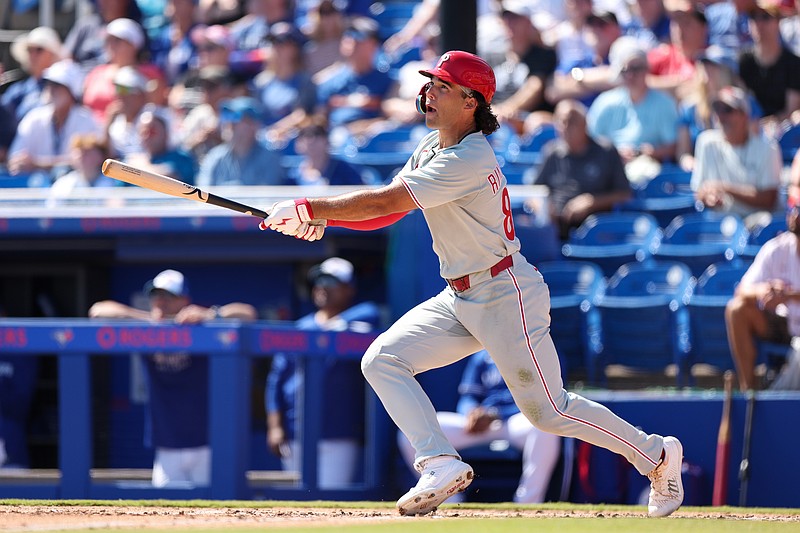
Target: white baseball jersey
(465, 201)
(463, 196)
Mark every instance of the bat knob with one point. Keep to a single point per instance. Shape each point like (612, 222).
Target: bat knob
(106, 164)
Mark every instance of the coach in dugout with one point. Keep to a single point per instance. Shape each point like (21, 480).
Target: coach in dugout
(178, 382)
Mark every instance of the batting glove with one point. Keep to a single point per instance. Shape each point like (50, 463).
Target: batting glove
(311, 231)
(288, 216)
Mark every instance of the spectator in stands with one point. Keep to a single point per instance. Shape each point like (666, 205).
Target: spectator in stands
(649, 23)
(770, 70)
(586, 80)
(88, 153)
(350, 94)
(214, 45)
(528, 67)
(582, 175)
(333, 293)
(35, 51)
(766, 303)
(177, 382)
(639, 121)
(327, 24)
(124, 39)
(571, 37)
(200, 129)
(318, 167)
(790, 27)
(716, 68)
(158, 155)
(220, 11)
(241, 159)
(172, 49)
(122, 114)
(736, 171)
(728, 23)
(486, 412)
(672, 64)
(251, 31)
(284, 89)
(42, 143)
(86, 41)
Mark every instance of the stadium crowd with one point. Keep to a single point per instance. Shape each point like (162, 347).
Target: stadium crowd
(211, 92)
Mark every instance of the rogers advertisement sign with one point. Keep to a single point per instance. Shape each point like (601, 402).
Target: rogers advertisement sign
(13, 337)
(143, 338)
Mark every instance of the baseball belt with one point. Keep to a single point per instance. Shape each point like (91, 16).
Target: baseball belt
(465, 282)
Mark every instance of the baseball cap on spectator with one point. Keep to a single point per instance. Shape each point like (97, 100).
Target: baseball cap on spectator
(720, 56)
(521, 8)
(285, 32)
(127, 30)
(170, 281)
(623, 51)
(235, 109)
(214, 35)
(130, 79)
(732, 97)
(362, 28)
(335, 270)
(41, 37)
(602, 18)
(67, 74)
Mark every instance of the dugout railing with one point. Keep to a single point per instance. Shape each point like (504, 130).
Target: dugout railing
(230, 347)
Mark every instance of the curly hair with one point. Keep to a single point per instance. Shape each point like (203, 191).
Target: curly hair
(485, 119)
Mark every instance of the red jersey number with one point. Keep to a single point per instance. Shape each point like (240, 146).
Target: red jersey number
(508, 221)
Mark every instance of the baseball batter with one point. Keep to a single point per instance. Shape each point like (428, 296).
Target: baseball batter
(494, 298)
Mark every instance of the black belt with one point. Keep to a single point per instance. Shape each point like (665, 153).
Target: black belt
(463, 283)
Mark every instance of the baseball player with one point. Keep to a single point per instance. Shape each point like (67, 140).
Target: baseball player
(494, 298)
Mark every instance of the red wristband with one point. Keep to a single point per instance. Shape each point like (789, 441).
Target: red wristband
(303, 208)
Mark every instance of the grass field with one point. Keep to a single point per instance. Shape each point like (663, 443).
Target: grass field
(381, 517)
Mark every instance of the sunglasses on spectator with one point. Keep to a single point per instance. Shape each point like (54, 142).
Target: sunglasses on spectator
(723, 109)
(122, 90)
(761, 16)
(35, 50)
(208, 47)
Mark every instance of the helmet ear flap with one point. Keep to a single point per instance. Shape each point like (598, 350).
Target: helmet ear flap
(422, 99)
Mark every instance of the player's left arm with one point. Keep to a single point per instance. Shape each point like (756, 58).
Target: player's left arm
(365, 204)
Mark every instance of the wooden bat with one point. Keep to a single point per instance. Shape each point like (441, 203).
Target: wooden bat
(723, 446)
(164, 184)
(744, 466)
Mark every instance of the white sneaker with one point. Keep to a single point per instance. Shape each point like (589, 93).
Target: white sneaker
(441, 478)
(666, 486)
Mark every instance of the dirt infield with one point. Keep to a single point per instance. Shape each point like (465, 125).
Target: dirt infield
(61, 517)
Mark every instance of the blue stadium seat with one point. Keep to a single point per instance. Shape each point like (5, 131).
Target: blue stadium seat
(392, 16)
(575, 287)
(665, 196)
(706, 306)
(789, 142)
(613, 239)
(701, 239)
(761, 234)
(386, 151)
(644, 320)
(527, 150)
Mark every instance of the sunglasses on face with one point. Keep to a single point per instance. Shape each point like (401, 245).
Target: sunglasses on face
(761, 16)
(633, 69)
(35, 50)
(723, 109)
(121, 90)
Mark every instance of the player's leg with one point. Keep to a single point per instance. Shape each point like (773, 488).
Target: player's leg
(521, 346)
(166, 466)
(745, 323)
(426, 337)
(197, 465)
(540, 453)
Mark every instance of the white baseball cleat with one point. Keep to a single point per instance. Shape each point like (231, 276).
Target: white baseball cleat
(441, 478)
(666, 486)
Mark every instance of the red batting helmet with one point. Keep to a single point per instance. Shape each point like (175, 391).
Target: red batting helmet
(467, 70)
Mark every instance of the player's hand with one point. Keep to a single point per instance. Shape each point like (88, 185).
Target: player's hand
(479, 420)
(311, 231)
(276, 439)
(288, 216)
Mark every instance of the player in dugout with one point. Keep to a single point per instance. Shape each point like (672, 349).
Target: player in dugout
(494, 298)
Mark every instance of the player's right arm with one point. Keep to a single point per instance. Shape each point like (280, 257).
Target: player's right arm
(365, 204)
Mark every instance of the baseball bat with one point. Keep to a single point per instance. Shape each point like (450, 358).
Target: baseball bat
(723, 446)
(744, 466)
(166, 185)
